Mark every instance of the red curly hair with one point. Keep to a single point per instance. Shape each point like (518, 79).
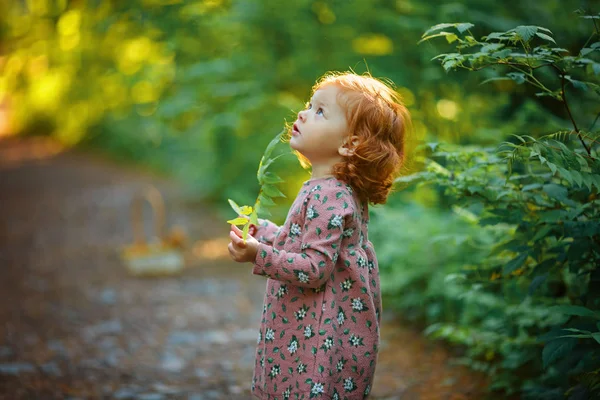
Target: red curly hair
(378, 118)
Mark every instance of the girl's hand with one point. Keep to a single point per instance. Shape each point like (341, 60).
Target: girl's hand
(240, 251)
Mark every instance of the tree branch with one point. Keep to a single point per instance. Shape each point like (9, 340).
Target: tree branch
(564, 99)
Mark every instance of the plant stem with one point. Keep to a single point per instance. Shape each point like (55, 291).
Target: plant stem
(564, 99)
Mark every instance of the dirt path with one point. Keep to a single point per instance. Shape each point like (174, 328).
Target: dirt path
(75, 325)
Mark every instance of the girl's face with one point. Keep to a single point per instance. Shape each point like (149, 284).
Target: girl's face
(321, 128)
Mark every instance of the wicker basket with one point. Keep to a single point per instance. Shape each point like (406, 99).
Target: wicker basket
(159, 258)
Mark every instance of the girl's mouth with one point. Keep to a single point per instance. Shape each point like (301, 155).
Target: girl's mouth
(295, 130)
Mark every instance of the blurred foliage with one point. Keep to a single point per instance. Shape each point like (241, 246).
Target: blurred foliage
(199, 88)
(514, 276)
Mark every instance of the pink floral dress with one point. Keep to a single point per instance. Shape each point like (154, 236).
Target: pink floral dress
(319, 331)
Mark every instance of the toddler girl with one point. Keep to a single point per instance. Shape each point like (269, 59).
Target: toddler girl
(319, 332)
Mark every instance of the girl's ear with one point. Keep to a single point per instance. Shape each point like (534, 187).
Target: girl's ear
(347, 147)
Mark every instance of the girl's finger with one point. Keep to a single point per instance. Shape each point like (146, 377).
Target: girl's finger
(237, 230)
(237, 241)
(232, 252)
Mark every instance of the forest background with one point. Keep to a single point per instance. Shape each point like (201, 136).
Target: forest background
(477, 246)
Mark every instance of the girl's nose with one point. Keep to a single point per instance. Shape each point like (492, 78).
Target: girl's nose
(302, 116)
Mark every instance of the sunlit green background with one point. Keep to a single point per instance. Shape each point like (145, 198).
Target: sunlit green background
(198, 88)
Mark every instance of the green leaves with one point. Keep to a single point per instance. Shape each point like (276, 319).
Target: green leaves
(267, 191)
(461, 27)
(537, 196)
(556, 350)
(575, 311)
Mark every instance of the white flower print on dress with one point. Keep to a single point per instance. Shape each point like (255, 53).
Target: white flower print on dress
(308, 331)
(355, 341)
(316, 389)
(336, 395)
(311, 213)
(335, 257)
(259, 337)
(328, 344)
(293, 346)
(358, 305)
(281, 291)
(347, 284)
(301, 368)
(287, 393)
(302, 276)
(348, 232)
(295, 230)
(362, 262)
(301, 313)
(341, 317)
(349, 384)
(340, 364)
(335, 221)
(275, 370)
(371, 266)
(269, 335)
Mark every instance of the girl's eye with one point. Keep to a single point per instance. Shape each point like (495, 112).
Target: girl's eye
(319, 111)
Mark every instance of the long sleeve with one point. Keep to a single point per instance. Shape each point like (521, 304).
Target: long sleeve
(266, 231)
(320, 236)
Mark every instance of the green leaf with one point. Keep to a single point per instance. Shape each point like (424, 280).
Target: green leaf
(495, 35)
(535, 283)
(460, 26)
(238, 221)
(235, 207)
(440, 34)
(246, 210)
(265, 200)
(491, 47)
(464, 26)
(545, 37)
(498, 78)
(518, 77)
(254, 218)
(245, 232)
(526, 32)
(542, 232)
(565, 174)
(575, 310)
(577, 84)
(272, 191)
(273, 143)
(451, 38)
(557, 349)
(555, 191)
(271, 178)
(515, 263)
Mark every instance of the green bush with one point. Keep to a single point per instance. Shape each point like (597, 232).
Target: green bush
(521, 292)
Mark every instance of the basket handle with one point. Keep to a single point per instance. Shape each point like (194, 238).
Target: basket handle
(154, 198)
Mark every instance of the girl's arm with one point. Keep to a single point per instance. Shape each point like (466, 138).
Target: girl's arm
(321, 237)
(266, 231)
